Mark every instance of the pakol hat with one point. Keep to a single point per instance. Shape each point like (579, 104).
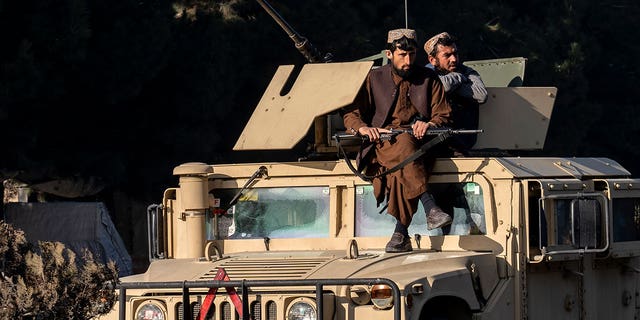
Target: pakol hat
(398, 34)
(430, 45)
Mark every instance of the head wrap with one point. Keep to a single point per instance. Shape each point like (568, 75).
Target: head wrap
(397, 34)
(430, 45)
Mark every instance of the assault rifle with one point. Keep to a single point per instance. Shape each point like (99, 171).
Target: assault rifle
(394, 132)
(441, 134)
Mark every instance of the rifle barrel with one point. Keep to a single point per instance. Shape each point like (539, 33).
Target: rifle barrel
(281, 22)
(302, 44)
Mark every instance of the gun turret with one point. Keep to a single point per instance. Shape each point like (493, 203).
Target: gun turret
(308, 50)
(313, 55)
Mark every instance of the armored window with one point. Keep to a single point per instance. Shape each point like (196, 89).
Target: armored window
(572, 222)
(463, 200)
(279, 212)
(624, 195)
(577, 222)
(626, 219)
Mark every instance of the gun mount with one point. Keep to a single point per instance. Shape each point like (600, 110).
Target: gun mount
(313, 55)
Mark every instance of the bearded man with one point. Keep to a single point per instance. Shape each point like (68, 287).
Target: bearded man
(463, 85)
(400, 95)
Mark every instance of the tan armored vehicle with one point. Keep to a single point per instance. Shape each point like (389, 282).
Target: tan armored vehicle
(532, 238)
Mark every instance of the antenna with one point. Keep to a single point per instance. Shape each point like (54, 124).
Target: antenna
(406, 19)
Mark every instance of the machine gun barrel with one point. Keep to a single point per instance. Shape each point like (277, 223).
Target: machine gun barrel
(302, 44)
(395, 132)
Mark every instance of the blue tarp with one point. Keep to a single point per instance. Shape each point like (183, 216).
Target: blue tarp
(78, 225)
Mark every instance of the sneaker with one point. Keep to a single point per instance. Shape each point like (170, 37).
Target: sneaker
(437, 218)
(398, 243)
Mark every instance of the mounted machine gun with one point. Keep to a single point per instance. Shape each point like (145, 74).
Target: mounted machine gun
(308, 50)
(313, 55)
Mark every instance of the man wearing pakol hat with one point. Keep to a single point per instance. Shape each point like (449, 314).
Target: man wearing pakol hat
(395, 96)
(464, 87)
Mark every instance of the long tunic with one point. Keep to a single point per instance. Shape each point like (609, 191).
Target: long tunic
(403, 187)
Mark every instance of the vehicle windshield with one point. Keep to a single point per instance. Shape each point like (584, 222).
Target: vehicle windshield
(282, 212)
(303, 212)
(464, 201)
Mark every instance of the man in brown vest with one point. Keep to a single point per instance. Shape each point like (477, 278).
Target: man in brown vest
(396, 96)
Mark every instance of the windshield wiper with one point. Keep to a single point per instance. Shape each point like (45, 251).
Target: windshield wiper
(262, 171)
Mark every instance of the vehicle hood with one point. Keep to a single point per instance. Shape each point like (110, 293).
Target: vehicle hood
(422, 266)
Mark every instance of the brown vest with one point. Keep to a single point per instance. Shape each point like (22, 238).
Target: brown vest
(384, 92)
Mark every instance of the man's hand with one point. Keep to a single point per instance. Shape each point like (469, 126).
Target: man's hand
(420, 128)
(372, 133)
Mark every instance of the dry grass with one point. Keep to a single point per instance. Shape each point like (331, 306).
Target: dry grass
(48, 281)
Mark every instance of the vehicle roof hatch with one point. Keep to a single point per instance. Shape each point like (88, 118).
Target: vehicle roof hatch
(281, 120)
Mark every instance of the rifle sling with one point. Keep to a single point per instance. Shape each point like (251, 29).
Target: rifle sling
(417, 154)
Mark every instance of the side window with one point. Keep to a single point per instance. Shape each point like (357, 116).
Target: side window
(285, 212)
(562, 212)
(568, 222)
(626, 219)
(463, 200)
(578, 222)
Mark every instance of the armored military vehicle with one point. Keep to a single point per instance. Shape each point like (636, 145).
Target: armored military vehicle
(532, 237)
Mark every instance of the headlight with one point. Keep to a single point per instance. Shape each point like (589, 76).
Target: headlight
(302, 310)
(360, 295)
(382, 296)
(150, 310)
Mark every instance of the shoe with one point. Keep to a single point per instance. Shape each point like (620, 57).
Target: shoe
(398, 243)
(459, 154)
(437, 218)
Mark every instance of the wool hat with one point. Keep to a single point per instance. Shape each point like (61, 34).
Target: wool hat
(397, 34)
(430, 45)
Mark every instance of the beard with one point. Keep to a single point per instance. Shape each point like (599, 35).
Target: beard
(403, 73)
(440, 68)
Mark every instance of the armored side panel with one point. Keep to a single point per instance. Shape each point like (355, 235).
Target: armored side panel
(515, 118)
(282, 119)
(506, 72)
